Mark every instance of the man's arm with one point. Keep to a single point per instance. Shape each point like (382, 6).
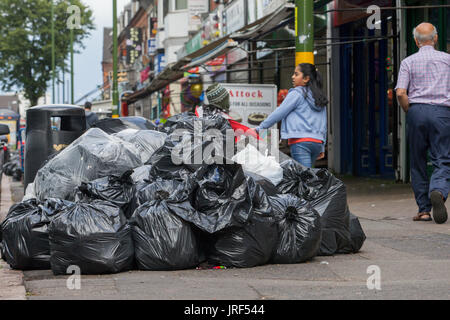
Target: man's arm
(402, 98)
(402, 86)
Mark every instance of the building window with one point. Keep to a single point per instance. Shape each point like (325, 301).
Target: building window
(181, 4)
(178, 5)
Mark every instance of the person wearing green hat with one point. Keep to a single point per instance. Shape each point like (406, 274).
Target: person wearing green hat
(218, 102)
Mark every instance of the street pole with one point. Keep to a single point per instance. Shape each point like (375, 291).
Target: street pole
(64, 84)
(53, 51)
(304, 31)
(71, 68)
(115, 91)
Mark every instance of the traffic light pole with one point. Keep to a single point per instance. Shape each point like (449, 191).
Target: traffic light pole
(304, 31)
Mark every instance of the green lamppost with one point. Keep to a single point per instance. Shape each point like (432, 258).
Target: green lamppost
(53, 51)
(304, 32)
(115, 91)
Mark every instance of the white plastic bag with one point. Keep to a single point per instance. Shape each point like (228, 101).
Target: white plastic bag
(254, 161)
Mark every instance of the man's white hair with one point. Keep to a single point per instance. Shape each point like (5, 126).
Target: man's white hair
(421, 38)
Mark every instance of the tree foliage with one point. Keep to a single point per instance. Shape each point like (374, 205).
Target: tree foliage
(26, 42)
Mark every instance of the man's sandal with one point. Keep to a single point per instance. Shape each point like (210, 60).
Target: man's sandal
(423, 216)
(439, 209)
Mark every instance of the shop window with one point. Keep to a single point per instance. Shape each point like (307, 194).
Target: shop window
(178, 5)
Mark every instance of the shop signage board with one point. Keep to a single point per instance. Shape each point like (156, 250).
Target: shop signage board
(194, 44)
(196, 8)
(160, 63)
(235, 16)
(151, 46)
(270, 6)
(250, 104)
(134, 48)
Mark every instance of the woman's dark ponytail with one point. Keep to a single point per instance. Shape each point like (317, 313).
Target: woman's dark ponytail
(315, 83)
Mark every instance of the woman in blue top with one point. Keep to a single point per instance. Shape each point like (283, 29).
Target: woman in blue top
(304, 116)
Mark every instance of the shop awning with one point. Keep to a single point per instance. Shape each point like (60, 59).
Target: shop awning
(175, 71)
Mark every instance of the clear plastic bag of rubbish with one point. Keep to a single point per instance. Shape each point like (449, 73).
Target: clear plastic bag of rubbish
(118, 190)
(24, 233)
(141, 174)
(300, 231)
(93, 236)
(250, 244)
(114, 125)
(29, 192)
(254, 161)
(162, 240)
(94, 155)
(146, 142)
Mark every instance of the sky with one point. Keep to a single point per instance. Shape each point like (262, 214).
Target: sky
(87, 64)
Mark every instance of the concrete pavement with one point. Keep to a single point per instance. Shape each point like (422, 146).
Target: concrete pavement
(11, 281)
(413, 259)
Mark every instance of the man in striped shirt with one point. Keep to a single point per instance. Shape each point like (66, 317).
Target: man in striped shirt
(423, 91)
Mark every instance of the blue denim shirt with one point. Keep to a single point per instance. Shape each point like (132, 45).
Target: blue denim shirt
(300, 117)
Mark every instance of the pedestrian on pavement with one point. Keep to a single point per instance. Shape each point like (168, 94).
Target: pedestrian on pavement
(423, 92)
(304, 116)
(91, 117)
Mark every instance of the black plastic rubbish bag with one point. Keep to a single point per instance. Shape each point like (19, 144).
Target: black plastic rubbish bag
(114, 125)
(356, 233)
(174, 192)
(25, 238)
(266, 184)
(146, 142)
(162, 240)
(222, 198)
(191, 123)
(292, 182)
(328, 196)
(251, 244)
(118, 190)
(299, 227)
(167, 163)
(94, 155)
(93, 236)
(192, 143)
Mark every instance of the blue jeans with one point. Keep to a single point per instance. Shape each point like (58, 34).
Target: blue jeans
(306, 153)
(429, 131)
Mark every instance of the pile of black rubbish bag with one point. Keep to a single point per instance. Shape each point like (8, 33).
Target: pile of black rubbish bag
(13, 167)
(119, 200)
